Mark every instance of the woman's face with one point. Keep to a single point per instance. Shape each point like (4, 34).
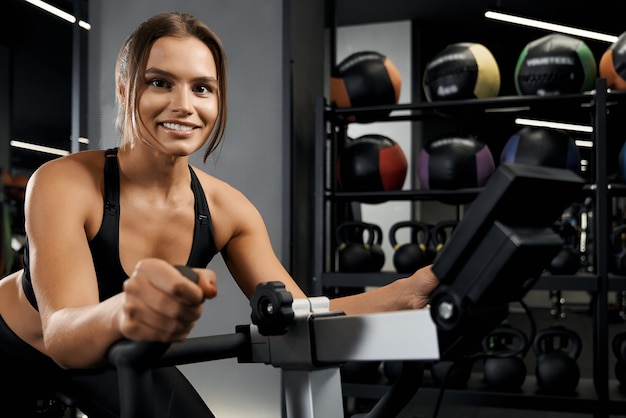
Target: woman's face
(178, 102)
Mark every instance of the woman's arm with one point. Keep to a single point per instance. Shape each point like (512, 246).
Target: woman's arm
(76, 328)
(251, 259)
(158, 303)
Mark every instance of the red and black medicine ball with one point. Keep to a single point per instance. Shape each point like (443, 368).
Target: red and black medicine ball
(371, 163)
(555, 64)
(454, 162)
(462, 70)
(365, 78)
(544, 147)
(613, 64)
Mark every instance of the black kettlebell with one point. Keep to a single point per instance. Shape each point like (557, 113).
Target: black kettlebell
(619, 349)
(409, 257)
(440, 234)
(504, 368)
(377, 255)
(567, 260)
(557, 349)
(618, 247)
(353, 252)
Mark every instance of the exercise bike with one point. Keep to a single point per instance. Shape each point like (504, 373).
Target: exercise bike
(493, 257)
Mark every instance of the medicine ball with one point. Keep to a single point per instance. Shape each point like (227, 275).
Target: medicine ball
(462, 70)
(613, 64)
(543, 147)
(371, 163)
(365, 78)
(454, 162)
(555, 64)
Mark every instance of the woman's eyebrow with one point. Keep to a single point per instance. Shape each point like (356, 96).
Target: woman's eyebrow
(163, 73)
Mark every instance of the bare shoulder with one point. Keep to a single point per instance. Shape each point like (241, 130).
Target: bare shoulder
(231, 211)
(74, 169)
(75, 180)
(219, 192)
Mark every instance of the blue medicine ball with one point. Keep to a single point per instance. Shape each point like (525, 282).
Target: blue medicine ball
(544, 147)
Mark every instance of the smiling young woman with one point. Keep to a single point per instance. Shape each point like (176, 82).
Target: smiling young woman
(106, 227)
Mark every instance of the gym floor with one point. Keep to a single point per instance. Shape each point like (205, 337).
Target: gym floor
(577, 319)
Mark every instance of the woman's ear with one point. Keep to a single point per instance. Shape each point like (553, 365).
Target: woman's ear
(121, 90)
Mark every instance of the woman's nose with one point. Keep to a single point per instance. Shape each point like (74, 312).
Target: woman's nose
(182, 102)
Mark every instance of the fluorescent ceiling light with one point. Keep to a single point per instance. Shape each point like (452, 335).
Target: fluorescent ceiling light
(38, 148)
(559, 125)
(583, 144)
(58, 12)
(550, 26)
(554, 125)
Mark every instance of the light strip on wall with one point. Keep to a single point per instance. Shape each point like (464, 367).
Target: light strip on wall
(59, 13)
(554, 125)
(559, 125)
(38, 148)
(553, 27)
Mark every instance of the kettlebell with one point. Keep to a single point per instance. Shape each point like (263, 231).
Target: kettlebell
(377, 255)
(619, 349)
(557, 349)
(618, 246)
(409, 257)
(504, 368)
(567, 260)
(353, 251)
(440, 233)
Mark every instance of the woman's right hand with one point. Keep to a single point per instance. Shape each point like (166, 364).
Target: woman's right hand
(161, 304)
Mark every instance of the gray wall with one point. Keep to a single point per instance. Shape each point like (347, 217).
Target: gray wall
(253, 159)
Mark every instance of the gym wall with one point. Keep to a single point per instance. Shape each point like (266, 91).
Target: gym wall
(252, 159)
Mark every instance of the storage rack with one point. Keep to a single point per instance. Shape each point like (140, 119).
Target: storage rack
(599, 395)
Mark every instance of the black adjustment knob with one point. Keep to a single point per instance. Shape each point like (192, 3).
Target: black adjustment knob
(272, 310)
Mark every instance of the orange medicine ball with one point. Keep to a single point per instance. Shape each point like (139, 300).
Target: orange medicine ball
(365, 78)
(613, 64)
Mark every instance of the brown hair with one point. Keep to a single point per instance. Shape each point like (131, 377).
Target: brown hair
(131, 65)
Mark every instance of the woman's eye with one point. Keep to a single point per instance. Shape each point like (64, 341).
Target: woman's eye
(158, 83)
(203, 89)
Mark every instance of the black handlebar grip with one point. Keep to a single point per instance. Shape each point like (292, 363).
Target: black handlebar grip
(142, 354)
(188, 273)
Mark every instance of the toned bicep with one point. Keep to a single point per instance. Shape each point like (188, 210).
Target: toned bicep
(61, 265)
(249, 254)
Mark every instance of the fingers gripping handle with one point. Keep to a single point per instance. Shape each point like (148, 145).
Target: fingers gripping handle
(133, 361)
(188, 273)
(142, 354)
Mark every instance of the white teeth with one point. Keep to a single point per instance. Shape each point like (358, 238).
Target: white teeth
(177, 127)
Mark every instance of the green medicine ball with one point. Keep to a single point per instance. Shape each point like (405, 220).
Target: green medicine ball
(555, 64)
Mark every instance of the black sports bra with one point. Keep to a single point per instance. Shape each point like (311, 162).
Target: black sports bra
(105, 245)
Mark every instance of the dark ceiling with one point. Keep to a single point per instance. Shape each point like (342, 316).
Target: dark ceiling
(467, 15)
(40, 48)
